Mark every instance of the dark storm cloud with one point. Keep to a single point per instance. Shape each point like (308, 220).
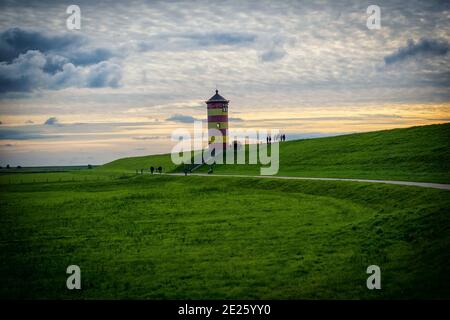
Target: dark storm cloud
(72, 47)
(424, 47)
(15, 41)
(31, 60)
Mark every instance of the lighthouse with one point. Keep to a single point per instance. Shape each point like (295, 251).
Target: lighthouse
(217, 107)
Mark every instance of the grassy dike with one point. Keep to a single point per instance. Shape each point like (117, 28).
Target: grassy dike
(195, 237)
(412, 154)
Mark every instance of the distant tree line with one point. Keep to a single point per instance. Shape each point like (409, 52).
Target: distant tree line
(9, 167)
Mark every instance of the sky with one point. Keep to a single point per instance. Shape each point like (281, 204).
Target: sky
(138, 70)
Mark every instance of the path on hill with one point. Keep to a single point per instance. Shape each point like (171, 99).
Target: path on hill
(404, 183)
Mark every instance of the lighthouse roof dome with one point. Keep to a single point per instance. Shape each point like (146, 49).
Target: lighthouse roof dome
(217, 98)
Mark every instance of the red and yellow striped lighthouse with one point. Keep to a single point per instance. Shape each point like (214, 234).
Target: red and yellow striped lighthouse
(217, 119)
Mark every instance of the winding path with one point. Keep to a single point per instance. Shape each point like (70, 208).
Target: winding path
(404, 183)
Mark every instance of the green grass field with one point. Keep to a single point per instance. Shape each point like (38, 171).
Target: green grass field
(196, 237)
(176, 237)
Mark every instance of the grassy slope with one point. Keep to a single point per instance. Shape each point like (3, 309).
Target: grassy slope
(132, 163)
(414, 154)
(197, 237)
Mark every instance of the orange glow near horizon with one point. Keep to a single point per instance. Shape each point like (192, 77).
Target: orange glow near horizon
(118, 136)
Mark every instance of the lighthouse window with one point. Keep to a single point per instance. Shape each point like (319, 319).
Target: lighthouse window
(218, 125)
(224, 108)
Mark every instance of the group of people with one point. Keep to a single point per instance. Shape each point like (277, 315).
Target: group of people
(158, 170)
(278, 137)
(152, 170)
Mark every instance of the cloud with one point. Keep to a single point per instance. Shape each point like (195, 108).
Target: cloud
(362, 117)
(182, 41)
(24, 73)
(73, 46)
(51, 121)
(272, 55)
(16, 41)
(30, 71)
(189, 119)
(424, 47)
(33, 60)
(182, 118)
(274, 50)
(53, 129)
(90, 56)
(104, 74)
(220, 38)
(17, 134)
(150, 137)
